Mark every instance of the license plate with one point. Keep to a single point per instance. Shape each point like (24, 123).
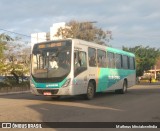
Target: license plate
(47, 93)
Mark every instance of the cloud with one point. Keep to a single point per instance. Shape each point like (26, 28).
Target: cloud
(130, 21)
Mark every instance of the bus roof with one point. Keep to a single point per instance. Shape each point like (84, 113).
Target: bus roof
(110, 49)
(120, 51)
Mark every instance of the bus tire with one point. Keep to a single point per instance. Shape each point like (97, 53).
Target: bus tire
(124, 89)
(90, 91)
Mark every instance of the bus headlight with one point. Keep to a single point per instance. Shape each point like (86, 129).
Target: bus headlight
(67, 82)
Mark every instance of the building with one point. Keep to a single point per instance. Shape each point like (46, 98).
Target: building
(45, 36)
(54, 28)
(155, 71)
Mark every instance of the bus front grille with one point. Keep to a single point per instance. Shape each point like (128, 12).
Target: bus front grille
(53, 92)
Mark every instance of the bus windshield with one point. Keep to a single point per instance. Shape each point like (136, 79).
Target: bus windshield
(51, 61)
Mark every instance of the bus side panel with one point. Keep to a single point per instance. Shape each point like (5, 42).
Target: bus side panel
(119, 84)
(102, 81)
(112, 79)
(80, 84)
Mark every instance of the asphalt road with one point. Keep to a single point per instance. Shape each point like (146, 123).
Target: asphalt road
(140, 104)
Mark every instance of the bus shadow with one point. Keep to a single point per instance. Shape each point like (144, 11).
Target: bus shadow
(73, 109)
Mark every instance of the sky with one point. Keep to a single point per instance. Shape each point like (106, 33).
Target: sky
(132, 22)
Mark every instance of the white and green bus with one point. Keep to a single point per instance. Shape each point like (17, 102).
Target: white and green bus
(74, 67)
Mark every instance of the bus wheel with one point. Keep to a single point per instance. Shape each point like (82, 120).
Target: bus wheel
(124, 89)
(90, 91)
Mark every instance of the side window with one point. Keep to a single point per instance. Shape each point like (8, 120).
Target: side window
(118, 61)
(82, 59)
(80, 62)
(125, 62)
(101, 58)
(92, 57)
(132, 63)
(110, 60)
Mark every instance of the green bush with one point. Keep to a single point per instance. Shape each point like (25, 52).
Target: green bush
(11, 82)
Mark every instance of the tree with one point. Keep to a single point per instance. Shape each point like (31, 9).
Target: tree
(18, 60)
(3, 42)
(14, 57)
(146, 57)
(2, 48)
(3, 39)
(83, 30)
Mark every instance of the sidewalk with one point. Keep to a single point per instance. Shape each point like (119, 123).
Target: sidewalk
(18, 92)
(147, 83)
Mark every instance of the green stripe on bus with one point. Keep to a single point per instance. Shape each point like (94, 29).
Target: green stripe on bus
(108, 77)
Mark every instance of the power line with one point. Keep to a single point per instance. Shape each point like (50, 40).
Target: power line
(15, 32)
(16, 42)
(20, 34)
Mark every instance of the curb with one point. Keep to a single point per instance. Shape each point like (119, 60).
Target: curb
(19, 92)
(146, 83)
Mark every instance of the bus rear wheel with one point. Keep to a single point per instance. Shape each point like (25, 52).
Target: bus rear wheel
(90, 91)
(124, 89)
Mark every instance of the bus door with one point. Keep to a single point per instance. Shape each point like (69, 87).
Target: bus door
(80, 71)
(92, 62)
